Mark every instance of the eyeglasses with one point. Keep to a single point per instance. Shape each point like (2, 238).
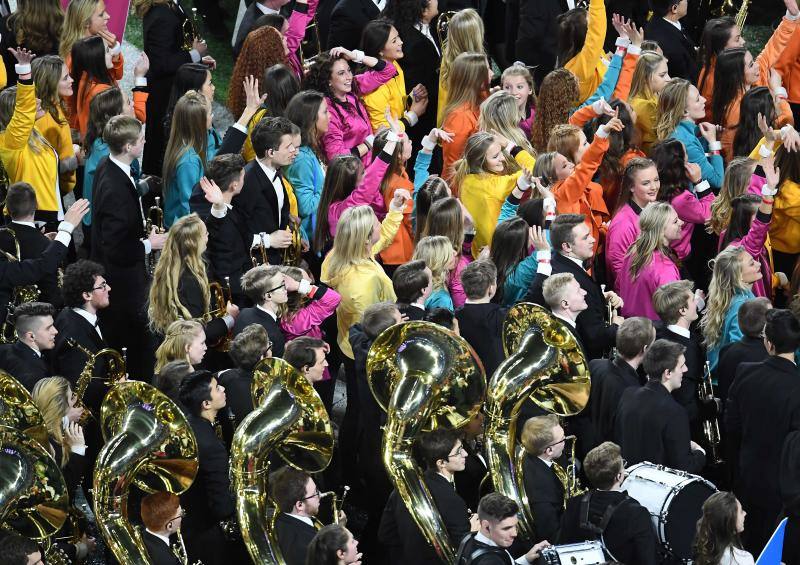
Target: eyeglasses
(102, 286)
(181, 515)
(316, 493)
(282, 285)
(565, 438)
(459, 451)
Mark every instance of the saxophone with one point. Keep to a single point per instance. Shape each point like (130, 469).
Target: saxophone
(116, 372)
(293, 253)
(711, 425)
(19, 295)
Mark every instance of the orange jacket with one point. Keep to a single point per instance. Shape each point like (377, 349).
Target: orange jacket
(402, 247)
(732, 123)
(788, 66)
(86, 91)
(462, 122)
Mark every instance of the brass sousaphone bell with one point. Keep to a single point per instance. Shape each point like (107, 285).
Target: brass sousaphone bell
(425, 377)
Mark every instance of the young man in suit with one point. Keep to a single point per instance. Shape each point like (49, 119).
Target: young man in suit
(412, 285)
(36, 334)
(247, 349)
(651, 425)
(297, 499)
(21, 207)
(497, 515)
(573, 245)
(263, 197)
(610, 377)
(480, 319)
(119, 242)
(162, 516)
(543, 439)
(209, 502)
(626, 527)
(763, 408)
(665, 28)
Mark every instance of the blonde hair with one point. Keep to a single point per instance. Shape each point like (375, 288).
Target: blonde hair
(726, 280)
(177, 339)
(183, 250)
(467, 81)
(474, 160)
(437, 251)
(189, 131)
(465, 33)
(351, 245)
(500, 114)
(652, 222)
(554, 287)
(646, 67)
(672, 104)
(76, 23)
(518, 69)
(50, 395)
(258, 281)
(537, 433)
(734, 184)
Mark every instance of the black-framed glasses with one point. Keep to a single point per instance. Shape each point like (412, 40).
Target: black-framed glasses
(459, 451)
(562, 440)
(280, 286)
(179, 516)
(316, 493)
(102, 286)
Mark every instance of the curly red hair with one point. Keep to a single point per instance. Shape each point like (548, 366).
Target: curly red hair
(262, 49)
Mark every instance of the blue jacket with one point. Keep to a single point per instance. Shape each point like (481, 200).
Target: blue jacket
(713, 168)
(307, 178)
(519, 279)
(99, 151)
(730, 327)
(439, 298)
(187, 174)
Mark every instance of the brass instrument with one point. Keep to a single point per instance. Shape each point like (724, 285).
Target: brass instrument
(289, 419)
(19, 295)
(710, 426)
(189, 29)
(148, 442)
(610, 313)
(442, 25)
(544, 363)
(741, 15)
(425, 377)
(293, 253)
(221, 296)
(258, 254)
(18, 411)
(155, 219)
(116, 372)
(569, 477)
(311, 46)
(336, 503)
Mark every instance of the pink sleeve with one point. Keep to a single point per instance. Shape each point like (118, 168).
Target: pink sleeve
(333, 138)
(692, 209)
(754, 241)
(371, 80)
(367, 193)
(297, 25)
(456, 288)
(667, 272)
(618, 241)
(756, 184)
(315, 312)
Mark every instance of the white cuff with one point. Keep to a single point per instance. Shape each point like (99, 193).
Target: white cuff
(63, 237)
(701, 186)
(256, 240)
(304, 288)
(229, 321)
(239, 126)
(544, 268)
(765, 152)
(195, 55)
(785, 130)
(411, 118)
(635, 50)
(370, 140)
(543, 254)
(78, 449)
(66, 226)
(622, 42)
(219, 212)
(358, 56)
(148, 247)
(116, 50)
(790, 17)
(427, 144)
(781, 93)
(140, 81)
(392, 136)
(715, 146)
(265, 240)
(549, 203)
(522, 183)
(767, 190)
(602, 132)
(510, 147)
(22, 69)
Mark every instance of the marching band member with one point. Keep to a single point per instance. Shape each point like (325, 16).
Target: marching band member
(297, 499)
(184, 340)
(36, 333)
(752, 317)
(162, 516)
(247, 349)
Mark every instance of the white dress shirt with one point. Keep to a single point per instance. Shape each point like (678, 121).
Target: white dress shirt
(89, 317)
(126, 168)
(277, 184)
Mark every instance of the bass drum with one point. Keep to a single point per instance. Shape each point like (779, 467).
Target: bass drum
(675, 502)
(584, 553)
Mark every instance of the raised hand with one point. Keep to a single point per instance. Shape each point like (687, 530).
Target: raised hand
(108, 37)
(337, 52)
(22, 55)
(708, 131)
(394, 124)
(398, 203)
(538, 238)
(142, 65)
(252, 97)
(772, 174)
(77, 211)
(766, 129)
(211, 191)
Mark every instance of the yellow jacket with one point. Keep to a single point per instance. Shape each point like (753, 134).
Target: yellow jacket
(247, 151)
(483, 195)
(392, 94)
(587, 65)
(38, 167)
(362, 285)
(784, 229)
(441, 102)
(646, 119)
(58, 134)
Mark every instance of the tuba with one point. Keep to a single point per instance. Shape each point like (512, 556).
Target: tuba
(18, 411)
(116, 372)
(289, 419)
(148, 443)
(425, 377)
(20, 294)
(545, 364)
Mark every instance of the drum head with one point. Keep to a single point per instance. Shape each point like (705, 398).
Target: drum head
(685, 509)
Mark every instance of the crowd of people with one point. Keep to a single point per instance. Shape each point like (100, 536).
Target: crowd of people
(640, 182)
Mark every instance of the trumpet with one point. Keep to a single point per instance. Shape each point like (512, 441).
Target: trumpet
(221, 296)
(155, 219)
(336, 503)
(258, 253)
(710, 425)
(189, 29)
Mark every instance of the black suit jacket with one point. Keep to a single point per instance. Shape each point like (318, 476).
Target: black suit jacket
(545, 496)
(348, 20)
(537, 36)
(27, 271)
(596, 336)
(237, 383)
(763, 408)
(609, 381)
(468, 482)
(191, 296)
(158, 551)
(421, 62)
(679, 49)
(629, 535)
(255, 315)
(294, 537)
(32, 243)
(397, 525)
(746, 350)
(413, 313)
(482, 326)
(695, 355)
(22, 363)
(652, 426)
(228, 249)
(259, 203)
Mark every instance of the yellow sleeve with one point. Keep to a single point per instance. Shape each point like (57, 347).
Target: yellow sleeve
(525, 160)
(21, 124)
(389, 228)
(3, 74)
(584, 64)
(292, 198)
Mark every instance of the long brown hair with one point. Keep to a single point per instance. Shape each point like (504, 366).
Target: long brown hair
(189, 131)
(46, 76)
(36, 24)
(262, 49)
(467, 83)
(557, 96)
(716, 529)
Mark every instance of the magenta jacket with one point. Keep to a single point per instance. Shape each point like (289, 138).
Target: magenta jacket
(349, 122)
(754, 244)
(692, 210)
(296, 32)
(527, 123)
(622, 232)
(308, 320)
(367, 193)
(638, 294)
(454, 285)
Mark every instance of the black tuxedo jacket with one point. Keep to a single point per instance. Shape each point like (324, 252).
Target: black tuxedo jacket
(22, 363)
(229, 249)
(695, 355)
(294, 537)
(32, 243)
(421, 62)
(191, 296)
(482, 326)
(74, 469)
(679, 49)
(609, 381)
(159, 552)
(537, 36)
(763, 408)
(255, 315)
(397, 525)
(237, 383)
(468, 481)
(259, 203)
(413, 313)
(652, 426)
(596, 336)
(348, 20)
(545, 496)
(629, 535)
(28, 271)
(746, 350)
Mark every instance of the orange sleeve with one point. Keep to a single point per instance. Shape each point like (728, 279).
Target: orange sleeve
(139, 105)
(623, 87)
(785, 117)
(574, 186)
(773, 49)
(119, 64)
(85, 96)
(461, 124)
(582, 116)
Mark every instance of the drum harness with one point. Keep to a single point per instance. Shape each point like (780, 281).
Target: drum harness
(598, 529)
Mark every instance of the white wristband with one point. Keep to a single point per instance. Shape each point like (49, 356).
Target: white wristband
(765, 152)
(140, 81)
(304, 288)
(522, 183)
(392, 136)
(411, 118)
(549, 204)
(715, 146)
(781, 93)
(116, 50)
(790, 17)
(767, 190)
(543, 254)
(265, 240)
(622, 42)
(786, 130)
(702, 186)
(22, 69)
(358, 56)
(428, 144)
(635, 50)
(602, 132)
(370, 140)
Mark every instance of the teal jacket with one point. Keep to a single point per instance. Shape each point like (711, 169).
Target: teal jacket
(730, 327)
(712, 168)
(176, 198)
(307, 178)
(439, 298)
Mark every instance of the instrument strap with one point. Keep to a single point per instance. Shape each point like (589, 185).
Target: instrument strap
(587, 524)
